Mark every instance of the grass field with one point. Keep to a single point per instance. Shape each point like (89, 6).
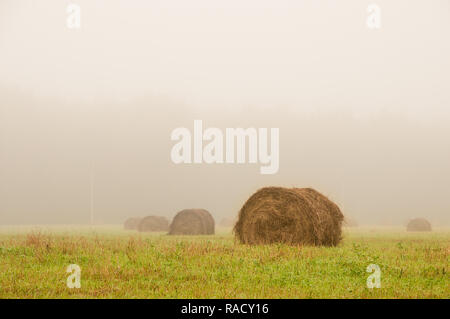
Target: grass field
(125, 264)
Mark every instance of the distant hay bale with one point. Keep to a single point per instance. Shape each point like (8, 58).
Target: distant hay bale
(289, 215)
(131, 223)
(153, 223)
(228, 222)
(350, 222)
(192, 222)
(418, 224)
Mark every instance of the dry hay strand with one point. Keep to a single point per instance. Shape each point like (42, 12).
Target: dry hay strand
(131, 223)
(192, 222)
(153, 223)
(296, 216)
(418, 224)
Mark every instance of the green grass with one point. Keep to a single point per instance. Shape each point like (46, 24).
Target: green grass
(124, 264)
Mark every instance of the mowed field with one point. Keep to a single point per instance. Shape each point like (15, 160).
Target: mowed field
(124, 264)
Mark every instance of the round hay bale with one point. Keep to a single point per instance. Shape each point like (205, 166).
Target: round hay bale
(153, 223)
(350, 222)
(289, 215)
(192, 222)
(418, 224)
(131, 223)
(228, 222)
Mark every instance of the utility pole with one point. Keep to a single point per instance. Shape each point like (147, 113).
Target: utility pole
(92, 193)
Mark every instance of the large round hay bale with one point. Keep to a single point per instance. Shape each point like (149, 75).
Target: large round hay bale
(192, 222)
(153, 223)
(131, 223)
(289, 215)
(418, 224)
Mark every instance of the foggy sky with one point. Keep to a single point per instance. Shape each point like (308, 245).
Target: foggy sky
(363, 114)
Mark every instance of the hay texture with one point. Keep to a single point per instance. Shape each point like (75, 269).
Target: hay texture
(296, 216)
(131, 223)
(418, 224)
(153, 224)
(192, 222)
